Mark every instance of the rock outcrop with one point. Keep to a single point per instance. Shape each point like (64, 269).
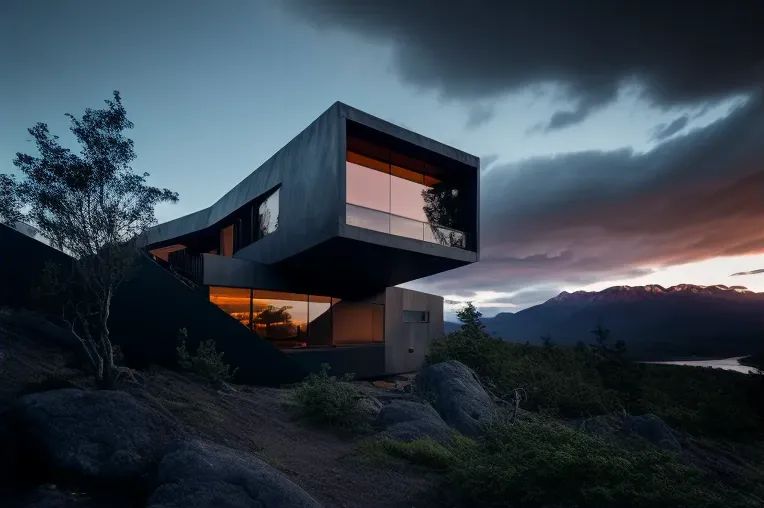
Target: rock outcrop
(652, 429)
(408, 421)
(100, 435)
(458, 396)
(196, 474)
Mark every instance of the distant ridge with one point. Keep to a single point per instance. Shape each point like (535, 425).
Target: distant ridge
(656, 322)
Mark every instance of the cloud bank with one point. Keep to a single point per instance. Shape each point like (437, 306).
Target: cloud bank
(680, 54)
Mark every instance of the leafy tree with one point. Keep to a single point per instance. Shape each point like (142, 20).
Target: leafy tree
(9, 205)
(272, 316)
(93, 206)
(546, 341)
(445, 206)
(470, 318)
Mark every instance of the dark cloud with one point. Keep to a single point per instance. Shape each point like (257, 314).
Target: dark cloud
(580, 218)
(752, 272)
(479, 115)
(680, 53)
(665, 131)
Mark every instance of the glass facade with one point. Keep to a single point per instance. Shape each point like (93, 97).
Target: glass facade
(291, 320)
(392, 198)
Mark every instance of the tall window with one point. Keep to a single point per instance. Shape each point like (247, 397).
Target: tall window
(291, 320)
(392, 198)
(234, 301)
(250, 223)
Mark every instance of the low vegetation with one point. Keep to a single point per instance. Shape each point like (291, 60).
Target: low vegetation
(207, 362)
(540, 463)
(543, 460)
(330, 400)
(585, 381)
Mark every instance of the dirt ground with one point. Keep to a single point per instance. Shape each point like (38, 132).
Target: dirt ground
(258, 420)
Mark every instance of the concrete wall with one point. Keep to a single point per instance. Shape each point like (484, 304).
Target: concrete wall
(307, 169)
(363, 361)
(406, 344)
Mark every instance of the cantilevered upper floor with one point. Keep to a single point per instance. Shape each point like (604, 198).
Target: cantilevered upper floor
(351, 201)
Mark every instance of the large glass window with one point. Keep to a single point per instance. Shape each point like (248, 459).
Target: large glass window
(290, 320)
(268, 215)
(396, 197)
(281, 317)
(234, 301)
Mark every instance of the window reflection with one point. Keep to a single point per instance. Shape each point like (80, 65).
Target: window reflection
(268, 215)
(234, 301)
(397, 198)
(281, 317)
(368, 187)
(290, 320)
(320, 320)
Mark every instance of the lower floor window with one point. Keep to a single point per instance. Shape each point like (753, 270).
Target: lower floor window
(292, 320)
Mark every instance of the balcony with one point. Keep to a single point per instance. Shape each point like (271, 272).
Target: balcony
(397, 225)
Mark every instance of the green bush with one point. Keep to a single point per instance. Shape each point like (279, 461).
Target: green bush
(328, 400)
(534, 464)
(425, 452)
(207, 362)
(582, 381)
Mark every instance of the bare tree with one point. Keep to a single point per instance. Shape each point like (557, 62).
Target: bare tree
(93, 206)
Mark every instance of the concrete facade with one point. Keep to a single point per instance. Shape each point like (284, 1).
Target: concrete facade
(313, 251)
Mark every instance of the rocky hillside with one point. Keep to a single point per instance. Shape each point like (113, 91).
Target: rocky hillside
(167, 440)
(655, 322)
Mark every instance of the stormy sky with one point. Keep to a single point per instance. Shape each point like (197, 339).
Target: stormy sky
(621, 142)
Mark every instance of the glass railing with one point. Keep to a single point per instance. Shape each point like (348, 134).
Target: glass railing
(384, 222)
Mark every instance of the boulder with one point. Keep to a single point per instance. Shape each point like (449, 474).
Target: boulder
(408, 421)
(652, 429)
(196, 474)
(48, 496)
(458, 396)
(99, 435)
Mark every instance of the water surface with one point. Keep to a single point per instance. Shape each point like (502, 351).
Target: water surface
(723, 363)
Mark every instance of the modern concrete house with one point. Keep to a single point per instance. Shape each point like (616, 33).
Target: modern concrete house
(306, 251)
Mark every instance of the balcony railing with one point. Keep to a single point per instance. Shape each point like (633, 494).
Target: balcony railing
(384, 222)
(190, 265)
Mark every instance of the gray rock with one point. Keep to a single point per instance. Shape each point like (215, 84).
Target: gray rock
(201, 475)
(652, 429)
(458, 396)
(408, 421)
(48, 496)
(371, 406)
(96, 434)
(399, 411)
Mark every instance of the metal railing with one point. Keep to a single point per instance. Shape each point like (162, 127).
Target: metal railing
(188, 264)
(377, 220)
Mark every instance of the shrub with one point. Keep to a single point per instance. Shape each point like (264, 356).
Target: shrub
(328, 400)
(425, 452)
(533, 464)
(207, 362)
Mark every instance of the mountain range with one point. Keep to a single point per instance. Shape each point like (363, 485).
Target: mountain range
(657, 323)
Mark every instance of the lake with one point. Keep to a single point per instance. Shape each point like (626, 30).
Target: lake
(724, 363)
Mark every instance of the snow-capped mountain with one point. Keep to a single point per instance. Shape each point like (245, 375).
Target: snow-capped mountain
(656, 322)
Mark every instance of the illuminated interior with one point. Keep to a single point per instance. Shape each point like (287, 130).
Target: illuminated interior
(291, 320)
(391, 193)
